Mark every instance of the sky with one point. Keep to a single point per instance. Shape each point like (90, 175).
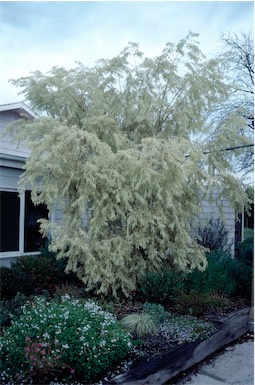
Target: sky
(37, 35)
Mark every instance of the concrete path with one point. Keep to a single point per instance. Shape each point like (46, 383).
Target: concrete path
(234, 366)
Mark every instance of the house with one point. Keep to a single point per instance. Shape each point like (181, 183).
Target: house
(19, 228)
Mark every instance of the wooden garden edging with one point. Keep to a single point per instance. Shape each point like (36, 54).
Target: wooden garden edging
(159, 370)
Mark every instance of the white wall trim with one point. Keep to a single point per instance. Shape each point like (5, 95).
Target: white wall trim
(21, 222)
(12, 161)
(15, 254)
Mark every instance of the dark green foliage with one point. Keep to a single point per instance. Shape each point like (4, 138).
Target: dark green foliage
(68, 288)
(246, 251)
(193, 303)
(214, 236)
(12, 281)
(244, 266)
(161, 287)
(242, 273)
(34, 274)
(11, 308)
(196, 304)
(248, 233)
(223, 276)
(216, 278)
(157, 312)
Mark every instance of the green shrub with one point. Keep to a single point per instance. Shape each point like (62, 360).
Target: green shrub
(197, 304)
(11, 308)
(42, 270)
(161, 287)
(12, 282)
(223, 276)
(67, 339)
(68, 288)
(216, 279)
(139, 324)
(45, 271)
(157, 312)
(246, 251)
(248, 233)
(32, 274)
(242, 274)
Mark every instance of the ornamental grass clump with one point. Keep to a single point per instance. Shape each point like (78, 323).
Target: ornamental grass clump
(64, 340)
(140, 324)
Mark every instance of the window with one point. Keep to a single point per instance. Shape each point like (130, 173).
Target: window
(32, 237)
(19, 227)
(10, 212)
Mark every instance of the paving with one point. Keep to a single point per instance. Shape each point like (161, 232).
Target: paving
(233, 366)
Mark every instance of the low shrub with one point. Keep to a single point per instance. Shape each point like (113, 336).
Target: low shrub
(157, 311)
(63, 339)
(216, 279)
(11, 308)
(31, 274)
(139, 324)
(246, 251)
(68, 288)
(224, 276)
(248, 233)
(242, 274)
(161, 287)
(12, 282)
(197, 304)
(46, 271)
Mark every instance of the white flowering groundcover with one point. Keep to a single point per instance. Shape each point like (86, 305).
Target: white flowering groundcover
(68, 340)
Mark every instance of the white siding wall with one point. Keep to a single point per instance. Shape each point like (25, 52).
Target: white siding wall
(6, 147)
(9, 178)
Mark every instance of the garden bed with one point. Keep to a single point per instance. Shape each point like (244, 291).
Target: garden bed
(231, 326)
(194, 315)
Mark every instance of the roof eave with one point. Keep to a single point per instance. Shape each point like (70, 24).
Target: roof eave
(21, 108)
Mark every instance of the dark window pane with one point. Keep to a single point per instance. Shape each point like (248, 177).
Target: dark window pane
(32, 237)
(10, 208)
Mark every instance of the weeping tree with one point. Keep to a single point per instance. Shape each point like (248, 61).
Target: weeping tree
(120, 148)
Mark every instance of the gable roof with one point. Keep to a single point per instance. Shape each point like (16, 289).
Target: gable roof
(20, 108)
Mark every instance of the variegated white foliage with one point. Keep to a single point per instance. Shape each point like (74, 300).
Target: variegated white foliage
(116, 147)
